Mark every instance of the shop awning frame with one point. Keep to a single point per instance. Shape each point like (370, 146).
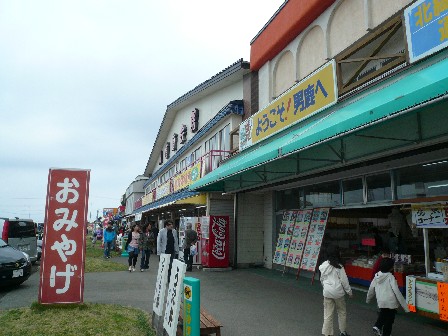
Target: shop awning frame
(171, 199)
(321, 141)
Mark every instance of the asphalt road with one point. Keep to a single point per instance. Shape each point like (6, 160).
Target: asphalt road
(247, 302)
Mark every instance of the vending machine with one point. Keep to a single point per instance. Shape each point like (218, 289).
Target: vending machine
(195, 225)
(215, 241)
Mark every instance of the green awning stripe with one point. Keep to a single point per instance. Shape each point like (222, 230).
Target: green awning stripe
(412, 90)
(401, 92)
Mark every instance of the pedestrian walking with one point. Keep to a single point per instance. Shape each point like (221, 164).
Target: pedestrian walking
(335, 286)
(132, 246)
(384, 286)
(147, 244)
(109, 236)
(155, 231)
(93, 238)
(168, 242)
(191, 237)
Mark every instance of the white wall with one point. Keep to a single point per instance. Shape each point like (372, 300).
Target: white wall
(208, 107)
(333, 31)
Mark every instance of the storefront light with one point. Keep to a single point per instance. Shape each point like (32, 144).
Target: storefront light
(438, 186)
(434, 163)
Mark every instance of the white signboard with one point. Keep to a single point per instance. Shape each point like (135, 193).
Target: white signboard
(174, 297)
(430, 215)
(159, 293)
(427, 298)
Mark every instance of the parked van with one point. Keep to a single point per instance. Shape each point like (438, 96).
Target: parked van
(20, 234)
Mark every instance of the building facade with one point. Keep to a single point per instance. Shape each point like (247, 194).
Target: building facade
(194, 137)
(133, 193)
(351, 121)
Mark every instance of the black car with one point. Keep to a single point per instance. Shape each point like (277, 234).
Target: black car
(15, 266)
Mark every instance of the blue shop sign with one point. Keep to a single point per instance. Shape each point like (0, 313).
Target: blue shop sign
(426, 24)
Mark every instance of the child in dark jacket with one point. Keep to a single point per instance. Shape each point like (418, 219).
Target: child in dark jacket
(384, 286)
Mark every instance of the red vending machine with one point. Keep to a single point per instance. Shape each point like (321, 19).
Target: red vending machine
(215, 241)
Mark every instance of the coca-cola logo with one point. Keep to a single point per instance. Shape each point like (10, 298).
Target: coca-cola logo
(219, 232)
(219, 249)
(219, 228)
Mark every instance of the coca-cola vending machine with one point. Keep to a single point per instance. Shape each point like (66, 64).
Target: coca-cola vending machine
(215, 241)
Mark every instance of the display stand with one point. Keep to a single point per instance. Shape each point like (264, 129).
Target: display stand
(428, 295)
(314, 241)
(298, 239)
(284, 238)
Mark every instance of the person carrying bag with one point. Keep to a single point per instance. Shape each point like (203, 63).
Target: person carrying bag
(191, 237)
(335, 285)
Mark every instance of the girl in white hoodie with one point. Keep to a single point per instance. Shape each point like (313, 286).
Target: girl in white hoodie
(335, 286)
(388, 296)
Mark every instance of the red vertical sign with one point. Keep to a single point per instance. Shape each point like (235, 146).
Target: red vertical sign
(63, 253)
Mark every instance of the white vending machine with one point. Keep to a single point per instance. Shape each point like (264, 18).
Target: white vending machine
(195, 225)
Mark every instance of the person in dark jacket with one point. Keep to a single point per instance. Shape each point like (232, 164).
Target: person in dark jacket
(191, 237)
(155, 231)
(146, 245)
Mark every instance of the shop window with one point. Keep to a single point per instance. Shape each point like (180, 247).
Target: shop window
(288, 199)
(426, 180)
(324, 194)
(379, 188)
(353, 191)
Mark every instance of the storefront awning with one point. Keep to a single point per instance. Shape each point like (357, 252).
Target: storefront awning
(261, 163)
(182, 197)
(200, 199)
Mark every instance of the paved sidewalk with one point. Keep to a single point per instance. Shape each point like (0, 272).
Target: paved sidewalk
(248, 302)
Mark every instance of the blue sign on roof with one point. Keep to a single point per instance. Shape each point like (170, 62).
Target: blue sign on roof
(426, 24)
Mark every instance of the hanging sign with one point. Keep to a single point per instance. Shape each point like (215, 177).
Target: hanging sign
(426, 24)
(311, 95)
(62, 265)
(148, 198)
(430, 215)
(163, 190)
(187, 177)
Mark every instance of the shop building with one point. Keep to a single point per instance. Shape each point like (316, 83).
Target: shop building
(134, 193)
(194, 137)
(353, 126)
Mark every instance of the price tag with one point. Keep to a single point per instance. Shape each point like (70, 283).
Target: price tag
(442, 289)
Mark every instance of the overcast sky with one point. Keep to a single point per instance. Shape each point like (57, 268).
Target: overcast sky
(85, 84)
